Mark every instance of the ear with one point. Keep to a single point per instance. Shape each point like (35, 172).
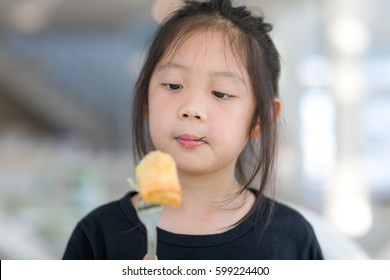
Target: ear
(256, 132)
(278, 108)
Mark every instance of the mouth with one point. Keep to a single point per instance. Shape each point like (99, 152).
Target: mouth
(191, 141)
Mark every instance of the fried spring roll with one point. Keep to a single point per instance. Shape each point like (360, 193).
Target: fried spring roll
(157, 179)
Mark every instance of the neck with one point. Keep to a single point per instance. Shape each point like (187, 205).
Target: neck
(208, 190)
(210, 204)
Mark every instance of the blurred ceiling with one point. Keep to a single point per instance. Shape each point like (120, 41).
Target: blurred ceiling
(60, 14)
(38, 15)
(67, 14)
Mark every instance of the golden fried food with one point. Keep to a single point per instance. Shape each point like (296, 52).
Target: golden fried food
(157, 179)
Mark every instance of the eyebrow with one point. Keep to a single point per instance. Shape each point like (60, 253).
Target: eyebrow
(226, 74)
(230, 75)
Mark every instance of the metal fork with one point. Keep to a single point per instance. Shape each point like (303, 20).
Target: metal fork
(149, 214)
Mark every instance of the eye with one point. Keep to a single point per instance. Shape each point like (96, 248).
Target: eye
(221, 95)
(170, 86)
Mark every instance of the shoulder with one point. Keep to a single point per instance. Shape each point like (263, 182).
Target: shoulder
(101, 230)
(107, 219)
(285, 217)
(287, 213)
(109, 214)
(294, 233)
(103, 211)
(279, 216)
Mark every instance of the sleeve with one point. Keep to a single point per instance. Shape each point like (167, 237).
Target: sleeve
(313, 249)
(79, 246)
(315, 252)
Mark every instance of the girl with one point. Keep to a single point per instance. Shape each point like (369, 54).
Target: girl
(207, 95)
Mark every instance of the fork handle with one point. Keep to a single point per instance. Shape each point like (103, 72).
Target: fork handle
(151, 231)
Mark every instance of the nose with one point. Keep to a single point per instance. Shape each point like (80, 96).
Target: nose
(193, 108)
(187, 112)
(190, 115)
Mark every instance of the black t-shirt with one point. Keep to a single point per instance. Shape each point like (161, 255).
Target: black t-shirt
(113, 231)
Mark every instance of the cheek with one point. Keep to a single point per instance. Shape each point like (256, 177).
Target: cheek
(241, 125)
(154, 116)
(230, 128)
(159, 120)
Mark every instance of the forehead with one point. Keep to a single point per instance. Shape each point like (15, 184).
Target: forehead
(203, 45)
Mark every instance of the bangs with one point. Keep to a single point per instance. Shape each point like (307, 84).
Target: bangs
(191, 26)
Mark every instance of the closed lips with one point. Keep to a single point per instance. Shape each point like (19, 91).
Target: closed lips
(190, 141)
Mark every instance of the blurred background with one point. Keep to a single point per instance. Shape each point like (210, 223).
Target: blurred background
(67, 71)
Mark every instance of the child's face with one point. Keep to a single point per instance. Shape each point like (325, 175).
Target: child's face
(200, 105)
